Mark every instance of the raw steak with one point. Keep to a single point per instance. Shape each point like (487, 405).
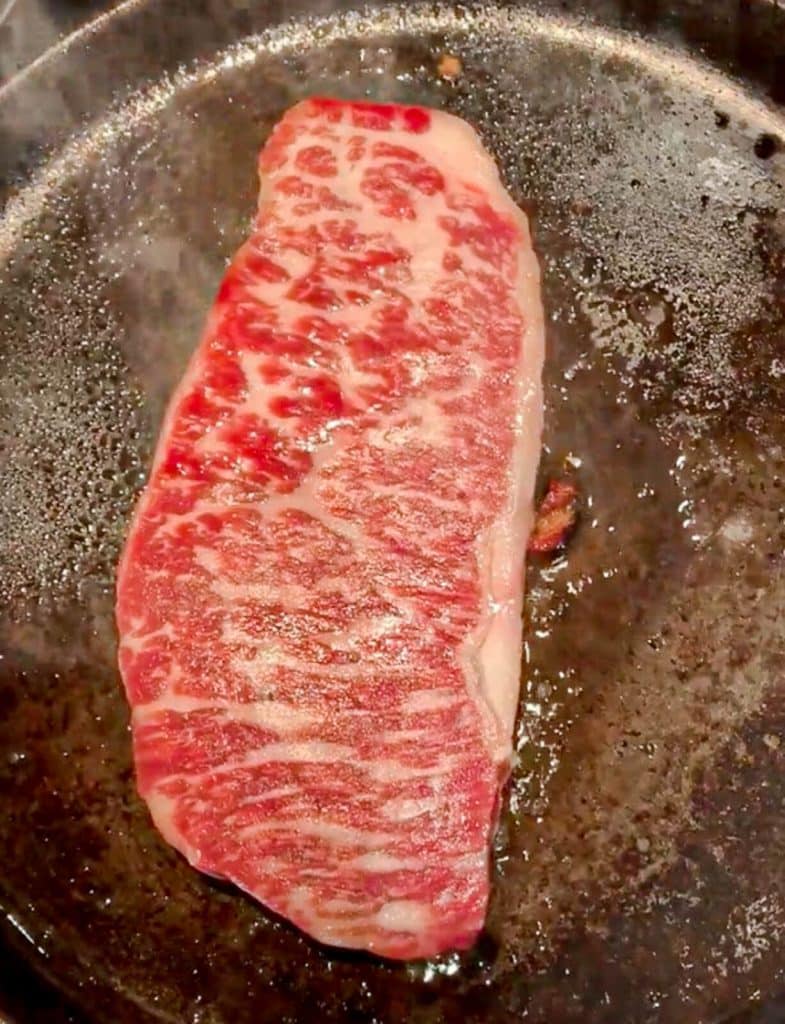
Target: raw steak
(319, 602)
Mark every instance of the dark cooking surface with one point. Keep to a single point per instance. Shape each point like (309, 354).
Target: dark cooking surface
(29, 27)
(639, 869)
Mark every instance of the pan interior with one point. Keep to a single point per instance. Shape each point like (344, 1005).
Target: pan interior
(638, 863)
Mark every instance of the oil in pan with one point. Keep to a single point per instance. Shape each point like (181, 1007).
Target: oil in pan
(637, 868)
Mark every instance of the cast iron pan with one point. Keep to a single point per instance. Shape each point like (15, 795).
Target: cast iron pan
(639, 868)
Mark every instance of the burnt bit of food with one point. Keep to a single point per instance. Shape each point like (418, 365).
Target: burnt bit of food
(555, 518)
(449, 67)
(766, 146)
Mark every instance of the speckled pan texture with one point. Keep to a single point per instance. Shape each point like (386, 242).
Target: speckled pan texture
(639, 867)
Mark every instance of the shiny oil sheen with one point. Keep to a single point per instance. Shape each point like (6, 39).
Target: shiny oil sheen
(638, 865)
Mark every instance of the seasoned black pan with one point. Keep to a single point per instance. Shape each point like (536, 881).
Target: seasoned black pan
(639, 869)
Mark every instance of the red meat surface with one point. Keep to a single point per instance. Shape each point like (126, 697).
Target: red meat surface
(320, 595)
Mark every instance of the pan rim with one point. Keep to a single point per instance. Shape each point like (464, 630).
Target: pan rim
(128, 7)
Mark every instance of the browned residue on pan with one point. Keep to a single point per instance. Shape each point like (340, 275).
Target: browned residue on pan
(638, 871)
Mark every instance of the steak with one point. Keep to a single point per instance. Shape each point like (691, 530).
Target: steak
(319, 601)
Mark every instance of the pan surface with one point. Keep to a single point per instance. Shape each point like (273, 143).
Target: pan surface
(638, 866)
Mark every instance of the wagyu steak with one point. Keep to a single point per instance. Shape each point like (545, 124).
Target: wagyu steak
(319, 602)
